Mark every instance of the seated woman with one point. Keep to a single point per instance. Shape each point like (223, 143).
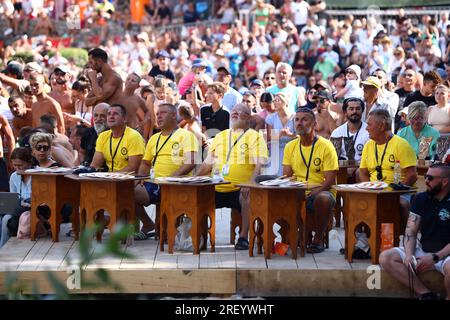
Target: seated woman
(419, 131)
(189, 122)
(41, 147)
(439, 114)
(21, 160)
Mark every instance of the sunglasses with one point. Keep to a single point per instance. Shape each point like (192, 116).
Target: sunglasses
(41, 147)
(320, 100)
(409, 75)
(430, 177)
(269, 78)
(379, 171)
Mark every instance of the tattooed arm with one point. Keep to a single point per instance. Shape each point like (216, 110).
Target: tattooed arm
(410, 238)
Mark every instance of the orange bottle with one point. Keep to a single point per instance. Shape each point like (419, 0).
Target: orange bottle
(387, 236)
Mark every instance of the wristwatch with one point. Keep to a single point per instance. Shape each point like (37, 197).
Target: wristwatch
(435, 258)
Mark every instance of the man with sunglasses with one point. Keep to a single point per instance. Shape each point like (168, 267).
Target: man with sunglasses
(239, 154)
(429, 215)
(312, 158)
(381, 153)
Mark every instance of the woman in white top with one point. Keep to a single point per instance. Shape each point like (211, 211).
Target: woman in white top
(83, 113)
(439, 114)
(280, 130)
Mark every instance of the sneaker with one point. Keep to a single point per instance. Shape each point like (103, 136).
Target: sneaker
(242, 244)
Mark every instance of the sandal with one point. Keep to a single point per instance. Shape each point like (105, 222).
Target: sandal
(315, 248)
(242, 244)
(140, 236)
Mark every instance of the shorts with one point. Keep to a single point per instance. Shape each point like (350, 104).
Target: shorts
(228, 200)
(310, 201)
(154, 192)
(4, 177)
(420, 253)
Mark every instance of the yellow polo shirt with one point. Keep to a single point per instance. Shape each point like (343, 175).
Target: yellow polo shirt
(132, 144)
(243, 155)
(324, 158)
(397, 149)
(171, 151)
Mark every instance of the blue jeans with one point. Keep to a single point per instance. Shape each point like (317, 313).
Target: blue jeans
(4, 236)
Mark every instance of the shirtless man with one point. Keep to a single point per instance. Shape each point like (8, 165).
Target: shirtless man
(7, 135)
(60, 89)
(108, 88)
(44, 104)
(22, 114)
(136, 108)
(327, 119)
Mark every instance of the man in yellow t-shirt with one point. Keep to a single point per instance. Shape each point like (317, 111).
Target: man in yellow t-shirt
(121, 147)
(169, 153)
(381, 153)
(238, 153)
(312, 158)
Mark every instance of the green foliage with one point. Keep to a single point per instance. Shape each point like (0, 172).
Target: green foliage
(25, 56)
(80, 56)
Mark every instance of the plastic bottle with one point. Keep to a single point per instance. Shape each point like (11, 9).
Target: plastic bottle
(216, 176)
(397, 172)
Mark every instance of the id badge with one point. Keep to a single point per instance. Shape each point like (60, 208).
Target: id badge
(152, 173)
(225, 170)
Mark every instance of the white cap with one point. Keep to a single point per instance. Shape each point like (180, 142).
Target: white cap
(356, 69)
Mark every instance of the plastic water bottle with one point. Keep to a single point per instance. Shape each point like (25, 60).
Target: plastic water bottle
(216, 176)
(397, 172)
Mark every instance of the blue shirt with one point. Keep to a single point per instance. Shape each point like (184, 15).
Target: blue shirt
(428, 131)
(17, 185)
(291, 90)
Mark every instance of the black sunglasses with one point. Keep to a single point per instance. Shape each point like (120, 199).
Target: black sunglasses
(430, 177)
(379, 173)
(320, 100)
(41, 147)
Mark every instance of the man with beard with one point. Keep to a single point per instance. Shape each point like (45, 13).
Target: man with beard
(22, 115)
(44, 103)
(108, 88)
(135, 105)
(381, 153)
(89, 138)
(61, 91)
(238, 153)
(313, 159)
(120, 148)
(282, 77)
(354, 127)
(429, 216)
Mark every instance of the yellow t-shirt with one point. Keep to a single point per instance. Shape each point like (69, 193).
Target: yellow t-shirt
(171, 156)
(324, 158)
(132, 144)
(397, 149)
(243, 155)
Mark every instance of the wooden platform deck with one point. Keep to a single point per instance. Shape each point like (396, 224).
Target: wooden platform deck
(224, 272)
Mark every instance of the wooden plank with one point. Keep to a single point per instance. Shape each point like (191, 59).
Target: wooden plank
(55, 256)
(188, 261)
(144, 253)
(281, 262)
(13, 253)
(223, 258)
(244, 261)
(36, 255)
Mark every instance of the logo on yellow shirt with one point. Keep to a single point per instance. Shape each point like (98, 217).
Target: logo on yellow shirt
(317, 162)
(124, 151)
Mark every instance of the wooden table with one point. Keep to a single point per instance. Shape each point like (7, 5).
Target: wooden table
(197, 201)
(269, 204)
(53, 190)
(342, 178)
(113, 195)
(372, 207)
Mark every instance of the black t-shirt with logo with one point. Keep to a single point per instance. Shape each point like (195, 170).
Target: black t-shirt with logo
(219, 120)
(156, 71)
(435, 221)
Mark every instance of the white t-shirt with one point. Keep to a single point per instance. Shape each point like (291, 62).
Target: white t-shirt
(361, 139)
(300, 11)
(353, 89)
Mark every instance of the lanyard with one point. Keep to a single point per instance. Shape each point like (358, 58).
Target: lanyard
(230, 147)
(113, 155)
(384, 152)
(310, 156)
(356, 135)
(157, 144)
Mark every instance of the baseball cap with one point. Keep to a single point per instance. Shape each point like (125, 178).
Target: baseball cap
(404, 110)
(224, 69)
(162, 53)
(199, 64)
(372, 81)
(324, 95)
(63, 68)
(33, 67)
(14, 68)
(323, 84)
(257, 82)
(356, 69)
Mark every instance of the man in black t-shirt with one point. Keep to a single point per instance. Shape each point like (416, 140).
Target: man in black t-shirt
(213, 115)
(162, 67)
(426, 94)
(429, 215)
